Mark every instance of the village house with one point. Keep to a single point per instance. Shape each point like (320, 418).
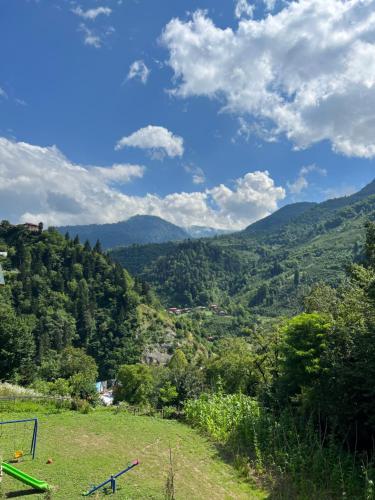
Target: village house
(33, 228)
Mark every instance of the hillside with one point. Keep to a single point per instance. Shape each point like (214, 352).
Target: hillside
(269, 266)
(59, 295)
(139, 229)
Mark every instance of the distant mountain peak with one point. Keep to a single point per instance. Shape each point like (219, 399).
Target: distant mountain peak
(140, 229)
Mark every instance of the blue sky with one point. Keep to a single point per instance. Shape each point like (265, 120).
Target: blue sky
(225, 110)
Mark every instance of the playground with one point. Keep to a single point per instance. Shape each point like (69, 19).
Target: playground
(85, 450)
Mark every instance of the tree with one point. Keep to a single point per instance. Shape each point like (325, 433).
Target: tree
(17, 346)
(321, 299)
(234, 367)
(306, 342)
(136, 384)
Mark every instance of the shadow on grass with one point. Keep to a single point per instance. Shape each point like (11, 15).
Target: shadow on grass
(22, 493)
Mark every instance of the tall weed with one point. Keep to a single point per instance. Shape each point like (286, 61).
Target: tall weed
(300, 462)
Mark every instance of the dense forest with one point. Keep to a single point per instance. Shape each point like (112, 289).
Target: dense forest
(61, 294)
(269, 267)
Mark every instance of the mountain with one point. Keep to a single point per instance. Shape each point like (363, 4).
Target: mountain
(279, 218)
(268, 267)
(140, 229)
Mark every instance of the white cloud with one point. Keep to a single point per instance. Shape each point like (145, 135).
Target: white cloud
(159, 140)
(41, 184)
(243, 8)
(138, 69)
(197, 174)
(3, 94)
(301, 182)
(90, 38)
(119, 173)
(256, 190)
(308, 71)
(92, 14)
(270, 4)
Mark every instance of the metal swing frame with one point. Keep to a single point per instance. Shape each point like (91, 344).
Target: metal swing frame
(35, 432)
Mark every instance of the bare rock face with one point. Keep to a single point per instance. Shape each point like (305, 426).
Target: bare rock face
(159, 353)
(155, 356)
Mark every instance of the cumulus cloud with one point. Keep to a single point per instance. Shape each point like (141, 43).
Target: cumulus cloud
(307, 71)
(159, 140)
(255, 189)
(92, 14)
(301, 182)
(243, 8)
(139, 70)
(41, 184)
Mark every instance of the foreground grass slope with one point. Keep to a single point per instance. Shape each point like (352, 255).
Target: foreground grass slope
(86, 449)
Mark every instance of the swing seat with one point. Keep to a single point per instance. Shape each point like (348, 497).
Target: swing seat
(18, 454)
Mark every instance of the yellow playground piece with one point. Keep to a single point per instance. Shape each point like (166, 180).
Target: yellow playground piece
(18, 454)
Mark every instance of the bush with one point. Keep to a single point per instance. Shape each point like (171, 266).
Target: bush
(81, 405)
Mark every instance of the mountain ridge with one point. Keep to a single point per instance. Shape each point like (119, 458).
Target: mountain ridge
(139, 229)
(269, 266)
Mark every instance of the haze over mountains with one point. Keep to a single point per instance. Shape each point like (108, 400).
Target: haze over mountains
(269, 266)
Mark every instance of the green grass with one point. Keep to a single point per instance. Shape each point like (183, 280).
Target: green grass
(86, 449)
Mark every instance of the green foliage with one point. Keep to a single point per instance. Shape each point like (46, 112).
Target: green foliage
(303, 464)
(305, 347)
(136, 384)
(233, 368)
(62, 294)
(17, 344)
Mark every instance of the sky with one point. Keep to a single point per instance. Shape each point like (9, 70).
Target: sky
(203, 112)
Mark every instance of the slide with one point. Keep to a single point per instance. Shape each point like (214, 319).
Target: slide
(24, 478)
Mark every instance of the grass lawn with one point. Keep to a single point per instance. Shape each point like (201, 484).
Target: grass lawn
(86, 449)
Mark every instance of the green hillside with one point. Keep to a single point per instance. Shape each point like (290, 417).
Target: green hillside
(61, 295)
(269, 266)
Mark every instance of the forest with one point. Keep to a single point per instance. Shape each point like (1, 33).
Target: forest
(290, 396)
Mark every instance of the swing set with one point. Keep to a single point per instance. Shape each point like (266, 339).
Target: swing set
(26, 448)
(21, 446)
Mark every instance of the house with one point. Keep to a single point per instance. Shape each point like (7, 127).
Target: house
(33, 228)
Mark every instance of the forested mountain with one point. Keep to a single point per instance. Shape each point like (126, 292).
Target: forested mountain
(138, 229)
(60, 294)
(269, 266)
